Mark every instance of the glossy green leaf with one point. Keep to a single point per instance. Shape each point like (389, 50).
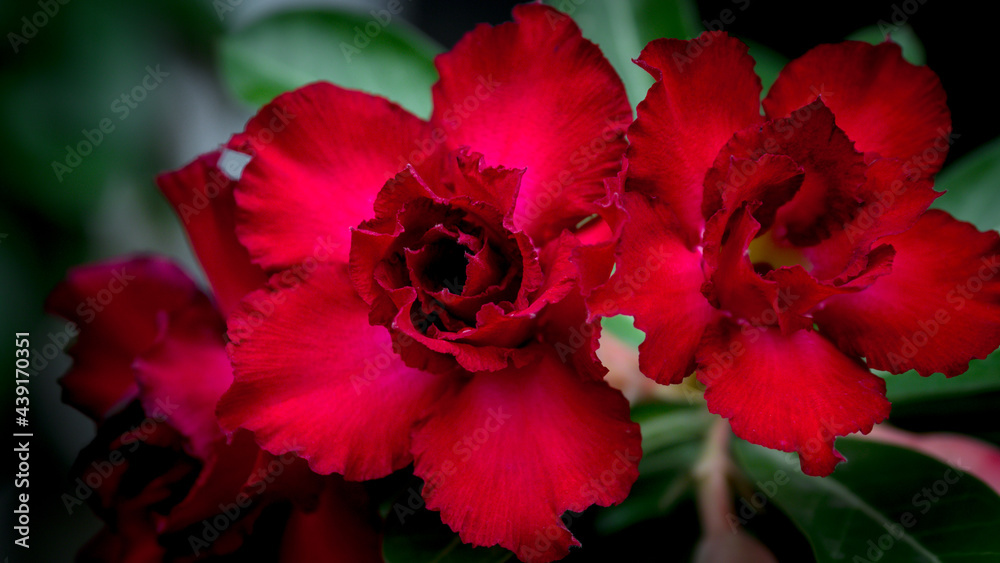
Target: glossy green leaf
(671, 443)
(357, 51)
(903, 35)
(983, 376)
(973, 186)
(769, 64)
(885, 504)
(622, 28)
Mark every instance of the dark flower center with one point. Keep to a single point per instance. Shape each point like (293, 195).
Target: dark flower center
(446, 269)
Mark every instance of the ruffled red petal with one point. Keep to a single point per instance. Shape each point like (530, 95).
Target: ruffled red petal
(320, 155)
(503, 93)
(886, 105)
(936, 310)
(658, 281)
(546, 441)
(705, 91)
(793, 392)
(313, 377)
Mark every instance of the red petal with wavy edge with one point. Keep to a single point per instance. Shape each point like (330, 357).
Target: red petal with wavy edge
(792, 392)
(202, 196)
(658, 281)
(320, 156)
(339, 529)
(313, 377)
(544, 439)
(886, 105)
(116, 308)
(503, 93)
(705, 91)
(938, 309)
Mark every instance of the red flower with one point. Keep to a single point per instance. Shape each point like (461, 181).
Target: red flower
(785, 248)
(149, 367)
(425, 301)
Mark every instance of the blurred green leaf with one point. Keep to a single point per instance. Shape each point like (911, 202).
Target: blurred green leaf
(769, 64)
(973, 186)
(671, 443)
(624, 27)
(902, 35)
(288, 50)
(622, 327)
(910, 387)
(885, 503)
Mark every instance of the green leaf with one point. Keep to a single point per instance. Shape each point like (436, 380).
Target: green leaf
(902, 35)
(983, 376)
(885, 503)
(973, 186)
(671, 443)
(769, 64)
(622, 327)
(622, 28)
(288, 50)
(420, 537)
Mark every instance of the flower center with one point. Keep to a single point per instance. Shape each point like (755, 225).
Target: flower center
(447, 269)
(767, 253)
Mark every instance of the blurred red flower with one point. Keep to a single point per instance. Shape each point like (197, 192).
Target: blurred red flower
(149, 367)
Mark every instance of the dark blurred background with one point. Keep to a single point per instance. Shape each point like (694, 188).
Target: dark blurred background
(65, 79)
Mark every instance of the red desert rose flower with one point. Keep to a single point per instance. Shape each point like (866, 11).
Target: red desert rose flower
(149, 367)
(788, 247)
(425, 302)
